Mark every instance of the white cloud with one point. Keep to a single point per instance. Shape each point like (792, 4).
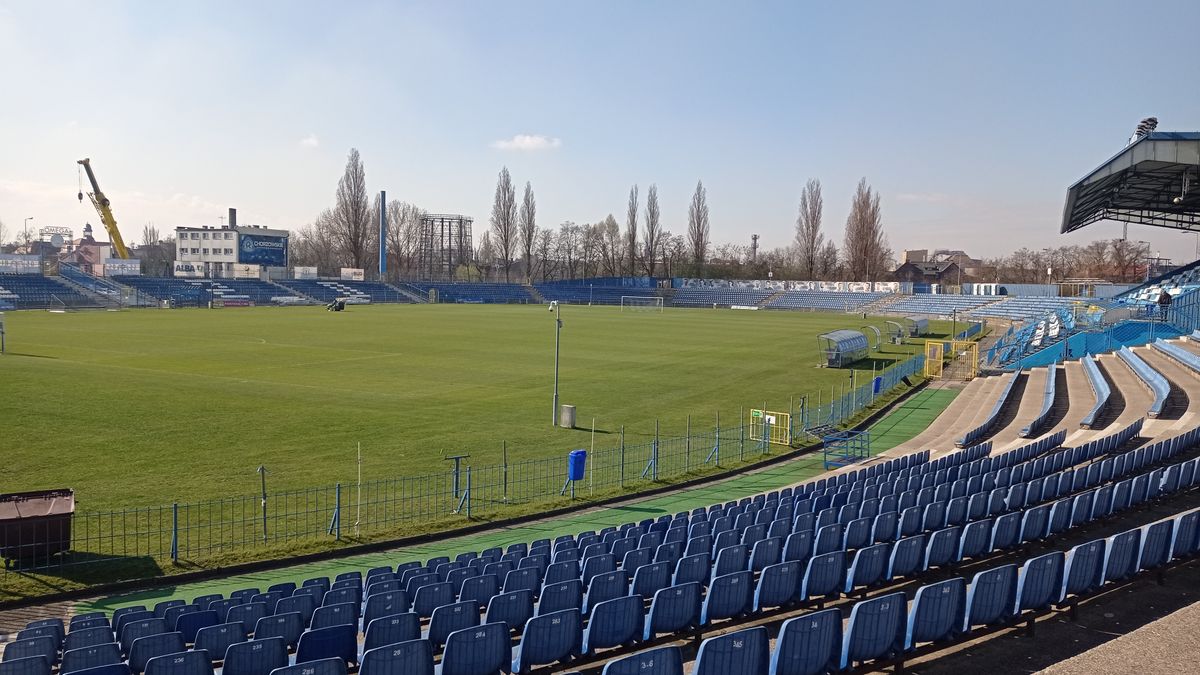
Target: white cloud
(528, 143)
(923, 197)
(310, 141)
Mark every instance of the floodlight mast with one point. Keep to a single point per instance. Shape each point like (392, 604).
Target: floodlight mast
(554, 307)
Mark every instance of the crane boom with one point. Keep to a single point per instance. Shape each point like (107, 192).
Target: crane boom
(105, 210)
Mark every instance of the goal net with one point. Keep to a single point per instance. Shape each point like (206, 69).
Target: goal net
(640, 303)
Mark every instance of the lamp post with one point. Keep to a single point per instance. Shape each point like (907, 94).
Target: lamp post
(26, 228)
(554, 307)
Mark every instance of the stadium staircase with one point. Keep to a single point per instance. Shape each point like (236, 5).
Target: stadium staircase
(774, 296)
(410, 294)
(535, 293)
(106, 293)
(881, 305)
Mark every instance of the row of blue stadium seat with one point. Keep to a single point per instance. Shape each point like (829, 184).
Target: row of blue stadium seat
(343, 603)
(557, 634)
(824, 300)
(34, 291)
(355, 292)
(723, 297)
(575, 294)
(468, 292)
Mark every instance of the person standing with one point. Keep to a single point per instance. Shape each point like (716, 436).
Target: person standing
(1164, 303)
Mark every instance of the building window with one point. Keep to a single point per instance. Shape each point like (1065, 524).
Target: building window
(229, 235)
(195, 251)
(204, 235)
(228, 251)
(195, 235)
(204, 251)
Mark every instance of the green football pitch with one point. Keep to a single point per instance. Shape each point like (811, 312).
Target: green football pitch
(148, 407)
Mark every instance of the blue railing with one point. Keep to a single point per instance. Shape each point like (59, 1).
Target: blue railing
(1151, 377)
(975, 434)
(1099, 387)
(1047, 403)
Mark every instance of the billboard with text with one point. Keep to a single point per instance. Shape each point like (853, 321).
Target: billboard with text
(261, 249)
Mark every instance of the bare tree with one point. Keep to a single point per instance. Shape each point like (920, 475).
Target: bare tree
(698, 230)
(317, 245)
(631, 232)
(155, 256)
(653, 231)
(865, 247)
(352, 213)
(528, 227)
(404, 238)
(611, 251)
(828, 263)
(545, 253)
(1094, 258)
(485, 256)
(504, 220)
(1125, 258)
(808, 229)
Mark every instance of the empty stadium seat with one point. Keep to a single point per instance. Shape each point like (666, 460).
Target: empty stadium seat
(414, 657)
(744, 652)
(809, 644)
(547, 639)
(659, 661)
(258, 657)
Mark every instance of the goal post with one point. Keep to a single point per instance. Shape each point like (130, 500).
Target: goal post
(641, 303)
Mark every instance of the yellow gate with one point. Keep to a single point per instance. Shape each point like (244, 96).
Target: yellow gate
(934, 353)
(775, 427)
(962, 356)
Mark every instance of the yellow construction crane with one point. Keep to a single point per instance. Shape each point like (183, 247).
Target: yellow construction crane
(105, 210)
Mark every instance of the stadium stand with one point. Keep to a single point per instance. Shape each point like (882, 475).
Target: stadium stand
(354, 292)
(834, 301)
(939, 304)
(578, 294)
(34, 291)
(490, 293)
(200, 292)
(837, 536)
(1026, 308)
(720, 297)
(1176, 282)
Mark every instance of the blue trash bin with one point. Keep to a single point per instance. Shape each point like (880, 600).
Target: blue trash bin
(576, 464)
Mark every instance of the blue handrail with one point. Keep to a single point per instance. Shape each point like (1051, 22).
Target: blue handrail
(1152, 379)
(1099, 387)
(1047, 401)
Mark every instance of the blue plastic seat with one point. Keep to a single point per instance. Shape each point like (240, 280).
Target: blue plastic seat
(1184, 541)
(613, 623)
(334, 615)
(596, 565)
(650, 578)
(868, 567)
(694, 567)
(435, 595)
(287, 626)
(258, 657)
(43, 628)
(387, 630)
(876, 629)
(453, 617)
(1156, 545)
(480, 588)
(549, 638)
(27, 665)
(729, 596)
(743, 651)
(605, 587)
(673, 609)
(413, 657)
(216, 639)
(825, 576)
(90, 657)
(323, 643)
(160, 609)
(85, 624)
(87, 637)
(777, 585)
(659, 661)
(1039, 582)
(942, 547)
(1120, 555)
(481, 650)
(329, 666)
(183, 663)
(560, 596)
(150, 646)
(809, 644)
(248, 614)
(386, 603)
(991, 597)
(191, 623)
(133, 630)
(937, 611)
(512, 609)
(976, 538)
(525, 578)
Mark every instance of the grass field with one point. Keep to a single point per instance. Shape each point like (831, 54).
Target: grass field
(149, 407)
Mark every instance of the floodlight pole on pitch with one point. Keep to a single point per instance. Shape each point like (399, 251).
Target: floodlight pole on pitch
(554, 307)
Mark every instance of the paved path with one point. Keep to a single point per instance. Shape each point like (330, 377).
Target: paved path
(1163, 647)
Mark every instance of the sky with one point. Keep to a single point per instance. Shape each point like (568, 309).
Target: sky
(970, 119)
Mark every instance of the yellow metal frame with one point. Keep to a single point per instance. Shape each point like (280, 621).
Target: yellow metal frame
(936, 358)
(779, 425)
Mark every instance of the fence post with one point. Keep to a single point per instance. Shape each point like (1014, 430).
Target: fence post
(335, 524)
(717, 449)
(742, 432)
(622, 455)
(262, 472)
(687, 449)
(175, 532)
(504, 453)
(468, 493)
(655, 449)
